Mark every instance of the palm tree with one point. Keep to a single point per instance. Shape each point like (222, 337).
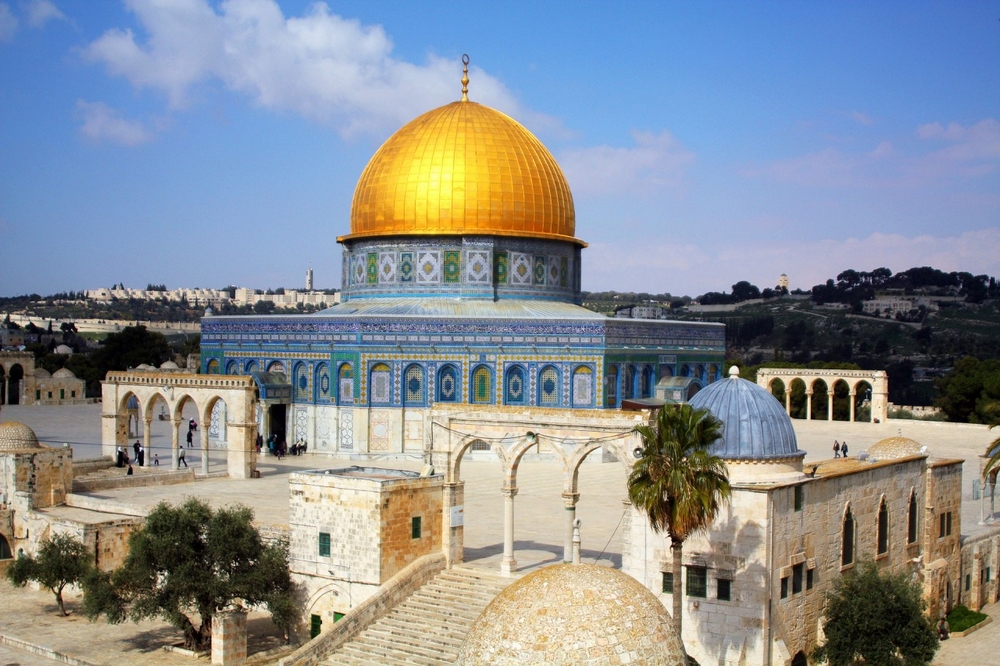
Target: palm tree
(677, 483)
(993, 448)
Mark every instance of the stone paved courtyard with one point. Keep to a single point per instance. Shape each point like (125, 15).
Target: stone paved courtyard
(539, 514)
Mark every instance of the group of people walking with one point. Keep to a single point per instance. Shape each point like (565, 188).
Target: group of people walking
(123, 460)
(839, 450)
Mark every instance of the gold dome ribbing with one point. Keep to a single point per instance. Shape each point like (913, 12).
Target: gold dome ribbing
(463, 168)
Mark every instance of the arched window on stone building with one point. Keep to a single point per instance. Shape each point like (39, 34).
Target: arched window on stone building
(5, 553)
(345, 385)
(847, 543)
(583, 386)
(482, 386)
(911, 523)
(414, 386)
(883, 528)
(380, 385)
(322, 383)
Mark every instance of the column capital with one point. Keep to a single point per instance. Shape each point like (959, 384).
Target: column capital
(509, 491)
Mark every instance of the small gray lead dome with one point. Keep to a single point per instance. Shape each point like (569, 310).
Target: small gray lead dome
(755, 425)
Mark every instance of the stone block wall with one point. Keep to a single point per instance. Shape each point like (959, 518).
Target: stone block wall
(980, 560)
(229, 638)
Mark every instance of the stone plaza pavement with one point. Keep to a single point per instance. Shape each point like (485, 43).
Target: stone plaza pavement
(539, 517)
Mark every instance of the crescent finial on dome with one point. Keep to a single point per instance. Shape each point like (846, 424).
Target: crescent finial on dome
(465, 77)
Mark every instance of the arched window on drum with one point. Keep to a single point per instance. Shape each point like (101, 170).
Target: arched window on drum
(449, 389)
(414, 386)
(345, 384)
(548, 387)
(515, 389)
(301, 383)
(380, 385)
(322, 383)
(583, 386)
(482, 386)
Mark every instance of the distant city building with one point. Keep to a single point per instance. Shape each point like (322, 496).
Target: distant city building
(216, 298)
(309, 279)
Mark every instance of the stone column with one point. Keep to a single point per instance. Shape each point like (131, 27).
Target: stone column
(570, 500)
(453, 542)
(508, 565)
(229, 638)
(147, 440)
(175, 424)
(809, 405)
(204, 448)
(788, 401)
(829, 409)
(851, 396)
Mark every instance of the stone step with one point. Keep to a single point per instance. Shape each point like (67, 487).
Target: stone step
(456, 596)
(390, 646)
(407, 626)
(389, 654)
(437, 615)
(432, 607)
(466, 587)
(419, 641)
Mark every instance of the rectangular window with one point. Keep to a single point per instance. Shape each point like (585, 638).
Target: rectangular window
(62, 394)
(697, 582)
(315, 625)
(948, 531)
(668, 582)
(72, 394)
(987, 574)
(324, 544)
(725, 589)
(809, 579)
(50, 395)
(968, 582)
(797, 578)
(784, 587)
(941, 526)
(415, 528)
(38, 395)
(798, 498)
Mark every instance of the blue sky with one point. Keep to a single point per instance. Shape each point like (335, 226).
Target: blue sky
(200, 144)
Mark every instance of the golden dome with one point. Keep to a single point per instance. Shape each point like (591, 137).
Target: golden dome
(463, 168)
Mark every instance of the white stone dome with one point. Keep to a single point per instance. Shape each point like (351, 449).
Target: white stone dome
(64, 373)
(42, 373)
(63, 349)
(574, 614)
(169, 365)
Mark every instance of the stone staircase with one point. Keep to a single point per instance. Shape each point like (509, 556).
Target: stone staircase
(430, 626)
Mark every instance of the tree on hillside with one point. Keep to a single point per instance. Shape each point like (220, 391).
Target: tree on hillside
(677, 483)
(190, 562)
(876, 618)
(61, 561)
(965, 393)
(993, 449)
(131, 347)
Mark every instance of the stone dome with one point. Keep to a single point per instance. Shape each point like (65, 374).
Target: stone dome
(463, 168)
(755, 425)
(64, 373)
(42, 373)
(16, 436)
(574, 614)
(144, 367)
(892, 448)
(63, 349)
(169, 365)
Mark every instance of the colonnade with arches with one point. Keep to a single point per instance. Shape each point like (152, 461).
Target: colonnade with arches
(512, 435)
(829, 394)
(129, 397)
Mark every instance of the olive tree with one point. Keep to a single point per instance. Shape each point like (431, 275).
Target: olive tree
(61, 561)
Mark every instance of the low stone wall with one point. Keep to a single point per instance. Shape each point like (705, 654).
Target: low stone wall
(104, 505)
(137, 480)
(397, 589)
(83, 467)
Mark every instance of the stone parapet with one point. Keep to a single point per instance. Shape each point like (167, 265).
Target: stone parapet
(398, 588)
(167, 478)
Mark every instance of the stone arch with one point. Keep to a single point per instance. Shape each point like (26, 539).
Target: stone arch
(776, 387)
(5, 552)
(795, 400)
(345, 384)
(861, 400)
(572, 464)
(250, 366)
(912, 518)
(817, 397)
(800, 659)
(3, 385)
(380, 384)
(840, 401)
(858, 382)
(15, 376)
(848, 537)
(276, 366)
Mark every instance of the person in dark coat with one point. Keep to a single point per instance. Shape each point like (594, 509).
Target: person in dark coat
(843, 449)
(135, 449)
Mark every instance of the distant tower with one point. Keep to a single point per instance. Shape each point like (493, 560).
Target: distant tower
(783, 281)
(309, 279)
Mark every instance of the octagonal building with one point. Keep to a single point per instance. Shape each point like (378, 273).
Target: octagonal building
(461, 284)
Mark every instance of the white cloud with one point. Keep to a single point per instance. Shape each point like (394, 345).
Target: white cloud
(655, 162)
(40, 12)
(970, 150)
(102, 123)
(861, 118)
(8, 23)
(320, 65)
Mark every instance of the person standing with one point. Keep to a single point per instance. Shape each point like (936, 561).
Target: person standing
(843, 449)
(180, 457)
(189, 438)
(140, 455)
(135, 450)
(836, 449)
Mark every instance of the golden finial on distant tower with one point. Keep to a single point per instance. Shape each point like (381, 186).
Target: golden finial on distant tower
(465, 77)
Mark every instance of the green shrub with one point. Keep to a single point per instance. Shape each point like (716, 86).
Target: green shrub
(961, 618)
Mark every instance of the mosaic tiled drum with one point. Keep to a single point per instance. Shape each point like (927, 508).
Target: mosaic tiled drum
(461, 284)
